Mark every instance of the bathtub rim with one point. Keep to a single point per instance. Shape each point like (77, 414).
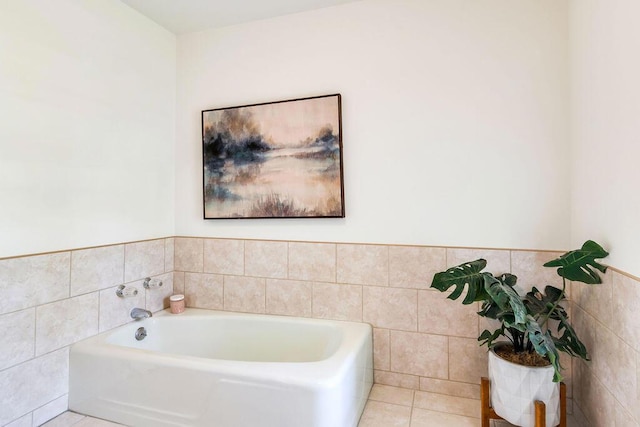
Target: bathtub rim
(321, 373)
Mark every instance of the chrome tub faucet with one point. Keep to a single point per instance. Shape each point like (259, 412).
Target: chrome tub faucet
(140, 313)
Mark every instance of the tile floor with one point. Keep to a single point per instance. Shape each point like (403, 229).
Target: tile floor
(387, 407)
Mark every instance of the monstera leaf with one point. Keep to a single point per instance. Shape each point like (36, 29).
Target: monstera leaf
(569, 341)
(468, 274)
(545, 304)
(544, 345)
(488, 338)
(578, 265)
(502, 293)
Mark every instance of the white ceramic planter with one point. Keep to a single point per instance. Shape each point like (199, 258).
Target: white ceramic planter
(515, 388)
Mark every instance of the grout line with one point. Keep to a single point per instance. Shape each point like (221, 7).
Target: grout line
(448, 358)
(202, 247)
(164, 256)
(35, 332)
(337, 260)
(70, 273)
(244, 258)
(124, 261)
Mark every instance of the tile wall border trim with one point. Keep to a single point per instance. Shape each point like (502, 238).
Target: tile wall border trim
(82, 248)
(412, 245)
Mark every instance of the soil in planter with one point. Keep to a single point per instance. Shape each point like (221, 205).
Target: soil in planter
(525, 358)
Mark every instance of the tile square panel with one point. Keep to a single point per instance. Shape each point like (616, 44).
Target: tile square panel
(312, 261)
(626, 309)
(189, 254)
(32, 384)
(224, 256)
(204, 291)
(381, 414)
(597, 300)
(614, 364)
(449, 404)
(391, 308)
(419, 354)
(289, 297)
(18, 337)
(414, 266)
(96, 268)
(61, 323)
(143, 259)
(244, 294)
(33, 280)
(266, 259)
(467, 360)
(363, 264)
(337, 301)
(439, 315)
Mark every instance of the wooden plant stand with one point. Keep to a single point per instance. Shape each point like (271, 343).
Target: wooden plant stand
(488, 413)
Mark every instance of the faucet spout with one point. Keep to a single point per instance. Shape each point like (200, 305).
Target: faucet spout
(140, 313)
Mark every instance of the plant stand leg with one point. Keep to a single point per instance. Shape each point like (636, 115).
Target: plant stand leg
(487, 413)
(541, 414)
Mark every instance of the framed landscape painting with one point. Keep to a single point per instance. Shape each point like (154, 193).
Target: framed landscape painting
(274, 160)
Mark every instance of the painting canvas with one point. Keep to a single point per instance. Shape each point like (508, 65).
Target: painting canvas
(279, 159)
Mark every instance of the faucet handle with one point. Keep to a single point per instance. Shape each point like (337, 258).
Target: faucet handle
(126, 292)
(150, 283)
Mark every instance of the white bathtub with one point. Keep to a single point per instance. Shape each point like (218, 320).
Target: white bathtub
(219, 369)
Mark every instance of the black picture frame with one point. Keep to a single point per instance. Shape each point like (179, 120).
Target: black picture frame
(279, 159)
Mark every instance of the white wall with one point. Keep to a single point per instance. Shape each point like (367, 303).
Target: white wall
(605, 126)
(454, 117)
(87, 117)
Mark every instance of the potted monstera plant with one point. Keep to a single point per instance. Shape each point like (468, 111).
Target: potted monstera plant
(531, 329)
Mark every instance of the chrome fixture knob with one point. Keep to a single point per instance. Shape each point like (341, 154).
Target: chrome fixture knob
(150, 283)
(126, 291)
(141, 333)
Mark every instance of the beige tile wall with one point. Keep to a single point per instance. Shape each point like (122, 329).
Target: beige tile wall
(50, 301)
(422, 341)
(607, 390)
